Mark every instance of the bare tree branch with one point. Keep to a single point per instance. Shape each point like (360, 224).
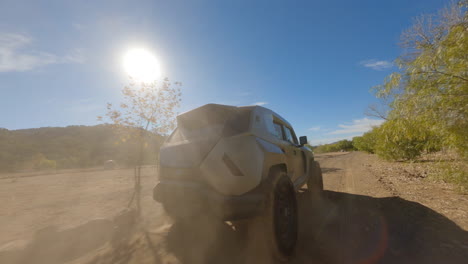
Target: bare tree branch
(374, 111)
(443, 73)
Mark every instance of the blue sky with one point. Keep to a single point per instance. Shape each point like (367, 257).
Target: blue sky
(313, 62)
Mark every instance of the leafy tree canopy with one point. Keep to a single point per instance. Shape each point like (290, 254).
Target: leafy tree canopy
(428, 96)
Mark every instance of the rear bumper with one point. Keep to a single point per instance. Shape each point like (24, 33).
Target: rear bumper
(180, 197)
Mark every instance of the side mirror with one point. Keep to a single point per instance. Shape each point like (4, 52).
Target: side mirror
(303, 140)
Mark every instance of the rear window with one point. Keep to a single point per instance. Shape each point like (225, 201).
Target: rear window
(212, 122)
(238, 123)
(201, 118)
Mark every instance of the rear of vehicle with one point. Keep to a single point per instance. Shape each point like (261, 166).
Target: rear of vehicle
(234, 163)
(211, 161)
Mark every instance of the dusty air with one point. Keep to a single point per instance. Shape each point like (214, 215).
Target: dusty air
(193, 132)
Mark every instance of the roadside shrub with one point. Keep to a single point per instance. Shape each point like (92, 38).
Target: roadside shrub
(47, 164)
(322, 149)
(453, 172)
(38, 161)
(345, 145)
(402, 139)
(457, 138)
(366, 142)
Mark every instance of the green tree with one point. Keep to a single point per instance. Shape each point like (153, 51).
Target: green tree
(430, 92)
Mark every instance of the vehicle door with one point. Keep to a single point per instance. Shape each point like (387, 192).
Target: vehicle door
(278, 132)
(294, 153)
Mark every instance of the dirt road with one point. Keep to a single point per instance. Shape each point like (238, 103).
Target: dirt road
(67, 219)
(363, 221)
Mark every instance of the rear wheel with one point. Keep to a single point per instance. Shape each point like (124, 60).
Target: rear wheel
(181, 209)
(177, 214)
(272, 235)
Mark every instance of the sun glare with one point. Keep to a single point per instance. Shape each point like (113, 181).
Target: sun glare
(141, 65)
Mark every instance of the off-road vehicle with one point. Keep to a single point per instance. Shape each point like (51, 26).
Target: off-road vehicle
(236, 163)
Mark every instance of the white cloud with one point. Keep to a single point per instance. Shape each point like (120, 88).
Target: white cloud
(260, 103)
(14, 58)
(357, 126)
(316, 128)
(377, 65)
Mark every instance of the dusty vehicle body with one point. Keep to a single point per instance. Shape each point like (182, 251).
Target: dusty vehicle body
(227, 160)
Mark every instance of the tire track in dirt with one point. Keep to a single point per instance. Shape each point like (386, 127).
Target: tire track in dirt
(347, 172)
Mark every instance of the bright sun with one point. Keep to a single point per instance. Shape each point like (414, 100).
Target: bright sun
(141, 65)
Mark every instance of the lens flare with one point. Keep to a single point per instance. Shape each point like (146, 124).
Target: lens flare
(141, 65)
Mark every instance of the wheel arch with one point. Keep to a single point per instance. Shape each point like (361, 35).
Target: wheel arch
(280, 166)
(268, 169)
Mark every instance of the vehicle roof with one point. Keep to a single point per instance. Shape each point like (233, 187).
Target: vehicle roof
(248, 107)
(266, 110)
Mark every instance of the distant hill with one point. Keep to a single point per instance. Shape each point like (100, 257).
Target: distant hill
(72, 147)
